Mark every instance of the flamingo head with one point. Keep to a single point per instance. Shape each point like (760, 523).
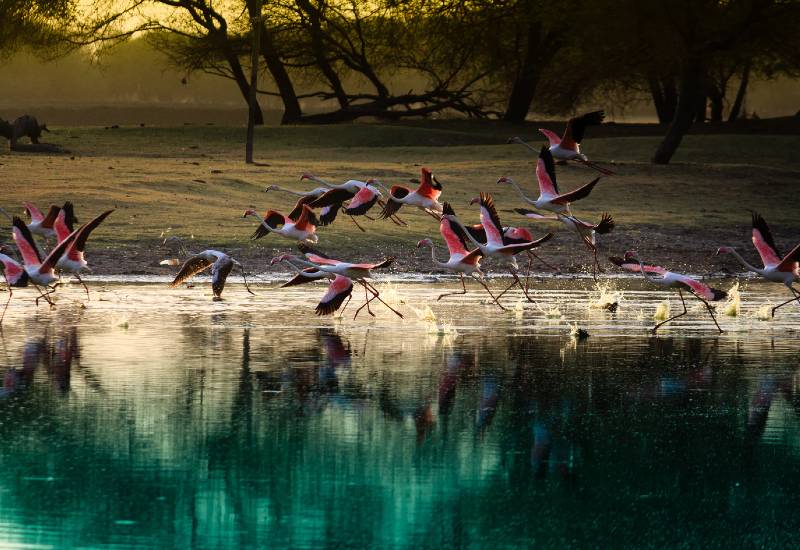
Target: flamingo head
(724, 250)
(504, 179)
(281, 258)
(375, 185)
(250, 212)
(476, 200)
(271, 188)
(307, 176)
(631, 256)
(425, 242)
(515, 139)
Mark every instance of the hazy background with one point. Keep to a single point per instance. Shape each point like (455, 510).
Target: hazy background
(135, 84)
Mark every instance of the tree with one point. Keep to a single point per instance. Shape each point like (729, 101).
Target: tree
(39, 24)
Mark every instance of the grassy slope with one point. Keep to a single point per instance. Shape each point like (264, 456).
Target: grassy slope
(191, 179)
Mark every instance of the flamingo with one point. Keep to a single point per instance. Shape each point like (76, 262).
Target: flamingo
(40, 224)
(495, 246)
(357, 272)
(777, 267)
(661, 277)
(424, 197)
(339, 288)
(549, 197)
(326, 215)
(568, 147)
(39, 271)
(73, 261)
(585, 230)
(301, 227)
(15, 276)
(221, 265)
(360, 202)
(461, 260)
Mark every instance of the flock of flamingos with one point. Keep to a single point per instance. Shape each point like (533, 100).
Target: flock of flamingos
(468, 245)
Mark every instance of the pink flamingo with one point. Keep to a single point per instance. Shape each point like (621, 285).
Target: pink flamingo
(40, 224)
(221, 265)
(549, 197)
(424, 197)
(73, 261)
(326, 216)
(302, 227)
(340, 287)
(777, 267)
(661, 277)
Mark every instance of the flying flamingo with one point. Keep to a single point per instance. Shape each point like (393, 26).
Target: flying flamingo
(340, 287)
(352, 188)
(221, 265)
(568, 147)
(549, 197)
(39, 271)
(661, 277)
(40, 224)
(424, 197)
(360, 202)
(326, 215)
(301, 228)
(461, 260)
(777, 267)
(73, 261)
(357, 272)
(585, 230)
(494, 246)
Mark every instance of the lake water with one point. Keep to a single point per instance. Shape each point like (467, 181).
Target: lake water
(153, 417)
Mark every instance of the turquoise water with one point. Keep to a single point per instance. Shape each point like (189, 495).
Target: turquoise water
(159, 418)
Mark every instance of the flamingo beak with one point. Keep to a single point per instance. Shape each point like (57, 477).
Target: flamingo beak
(473, 201)
(502, 179)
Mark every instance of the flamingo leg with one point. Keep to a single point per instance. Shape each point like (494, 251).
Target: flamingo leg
(485, 286)
(247, 286)
(357, 225)
(590, 164)
(10, 294)
(365, 304)
(396, 219)
(509, 287)
(369, 217)
(84, 286)
(45, 295)
(350, 297)
(463, 285)
(433, 214)
(680, 293)
(554, 268)
(795, 297)
(377, 297)
(711, 312)
(528, 271)
(519, 283)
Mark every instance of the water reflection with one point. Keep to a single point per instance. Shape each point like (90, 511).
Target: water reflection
(220, 431)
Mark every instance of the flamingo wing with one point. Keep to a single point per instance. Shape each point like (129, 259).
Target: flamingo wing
(576, 127)
(790, 261)
(429, 186)
(490, 220)
(33, 213)
(551, 136)
(11, 269)
(307, 220)
(219, 274)
(307, 275)
(328, 214)
(190, 268)
(516, 248)
(340, 288)
(517, 235)
(700, 289)
(579, 193)
(535, 215)
(362, 202)
(546, 173)
(473, 257)
(55, 254)
(764, 242)
(633, 266)
(315, 256)
(453, 234)
(606, 224)
(85, 230)
(392, 205)
(25, 243)
(385, 263)
(332, 197)
(271, 218)
(297, 209)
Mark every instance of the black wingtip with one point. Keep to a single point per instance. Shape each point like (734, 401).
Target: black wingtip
(718, 294)
(447, 210)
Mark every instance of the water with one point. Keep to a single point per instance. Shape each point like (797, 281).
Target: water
(159, 418)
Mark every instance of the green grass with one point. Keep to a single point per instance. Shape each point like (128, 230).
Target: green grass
(191, 181)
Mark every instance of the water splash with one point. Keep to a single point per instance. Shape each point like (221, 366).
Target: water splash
(553, 313)
(390, 294)
(733, 305)
(662, 311)
(519, 310)
(605, 298)
(764, 313)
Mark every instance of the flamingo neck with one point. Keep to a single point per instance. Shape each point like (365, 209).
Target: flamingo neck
(744, 262)
(435, 260)
(646, 275)
(521, 193)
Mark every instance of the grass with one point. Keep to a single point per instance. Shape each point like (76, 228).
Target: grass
(191, 181)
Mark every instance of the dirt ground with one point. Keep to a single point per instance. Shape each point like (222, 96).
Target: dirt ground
(191, 183)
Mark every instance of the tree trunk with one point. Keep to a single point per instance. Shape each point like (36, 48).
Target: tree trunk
(318, 47)
(253, 98)
(524, 88)
(691, 90)
(736, 108)
(665, 97)
(241, 81)
(717, 105)
(700, 112)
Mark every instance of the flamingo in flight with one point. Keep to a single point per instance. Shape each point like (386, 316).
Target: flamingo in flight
(461, 260)
(38, 271)
(424, 197)
(357, 272)
(494, 246)
(39, 223)
(339, 289)
(667, 279)
(73, 261)
(360, 202)
(586, 231)
(221, 265)
(549, 197)
(777, 267)
(300, 226)
(568, 146)
(348, 190)
(326, 216)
